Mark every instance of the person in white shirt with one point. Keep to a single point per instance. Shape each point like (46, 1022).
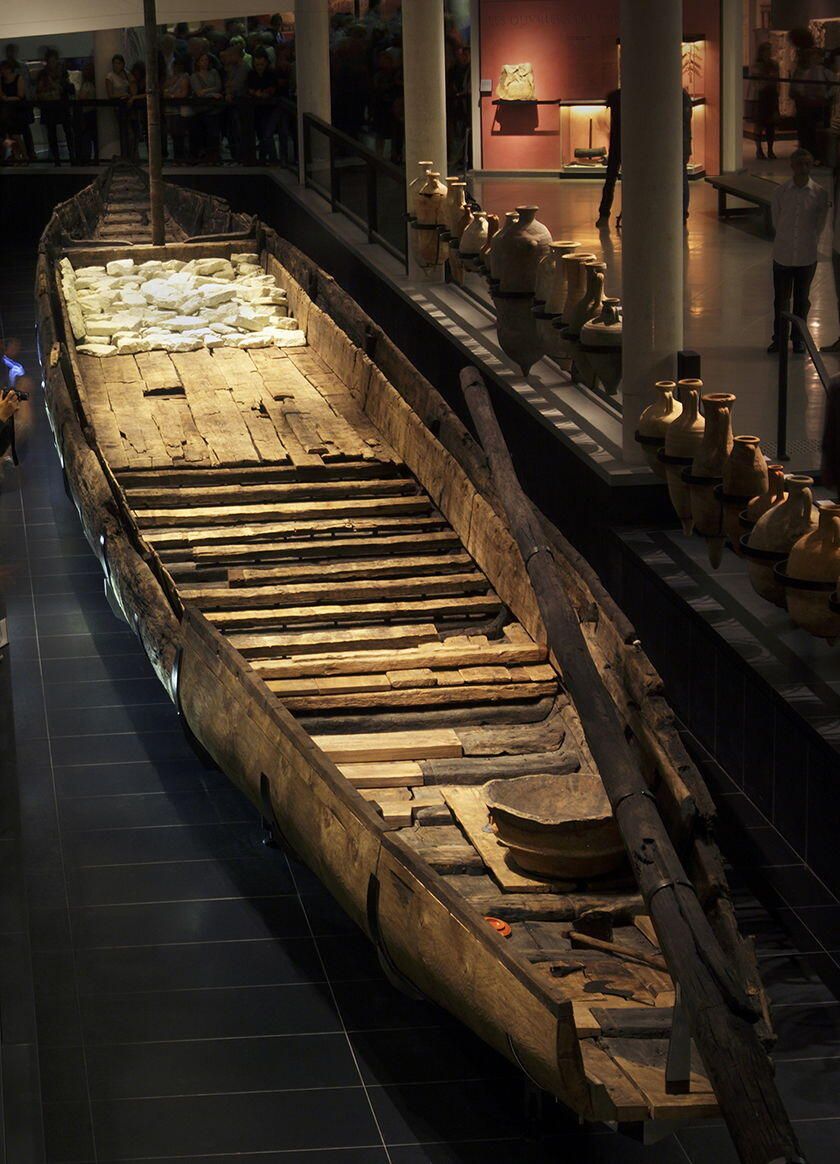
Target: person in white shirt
(799, 209)
(835, 254)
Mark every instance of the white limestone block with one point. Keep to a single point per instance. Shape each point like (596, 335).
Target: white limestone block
(132, 298)
(119, 266)
(185, 323)
(257, 339)
(128, 345)
(84, 272)
(172, 264)
(212, 266)
(222, 329)
(252, 319)
(244, 257)
(77, 320)
(96, 349)
(290, 339)
(214, 294)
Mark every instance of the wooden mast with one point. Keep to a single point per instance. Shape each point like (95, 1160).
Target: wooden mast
(153, 122)
(716, 1006)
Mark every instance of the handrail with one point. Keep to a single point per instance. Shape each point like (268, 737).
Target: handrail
(342, 147)
(788, 319)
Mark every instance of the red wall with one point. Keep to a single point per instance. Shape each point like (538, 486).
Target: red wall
(572, 46)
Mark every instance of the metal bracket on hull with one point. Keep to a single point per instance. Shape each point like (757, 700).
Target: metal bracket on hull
(273, 835)
(389, 968)
(196, 745)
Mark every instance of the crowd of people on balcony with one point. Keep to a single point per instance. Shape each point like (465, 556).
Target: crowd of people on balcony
(217, 86)
(223, 91)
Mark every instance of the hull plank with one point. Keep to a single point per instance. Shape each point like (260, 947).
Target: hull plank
(315, 537)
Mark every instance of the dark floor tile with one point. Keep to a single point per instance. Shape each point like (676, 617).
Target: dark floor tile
(296, 1120)
(758, 767)
(170, 843)
(807, 1031)
(810, 1087)
(349, 957)
(49, 928)
(65, 651)
(824, 922)
(111, 721)
(64, 1075)
(819, 1140)
(798, 886)
(178, 881)
(22, 1132)
(93, 667)
(17, 1006)
(783, 932)
(708, 1145)
(136, 810)
(325, 914)
(59, 1021)
(225, 1066)
(127, 779)
(379, 1006)
(448, 1111)
(795, 979)
(160, 923)
(67, 1133)
(81, 622)
(790, 782)
(119, 693)
(302, 1008)
(122, 748)
(197, 964)
(432, 1054)
(765, 846)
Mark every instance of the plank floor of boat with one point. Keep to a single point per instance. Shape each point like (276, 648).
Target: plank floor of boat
(127, 214)
(279, 511)
(355, 601)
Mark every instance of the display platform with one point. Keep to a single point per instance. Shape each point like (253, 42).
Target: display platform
(763, 695)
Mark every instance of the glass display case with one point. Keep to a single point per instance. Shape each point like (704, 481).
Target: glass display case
(585, 125)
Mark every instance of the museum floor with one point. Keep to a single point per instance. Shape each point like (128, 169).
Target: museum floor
(196, 996)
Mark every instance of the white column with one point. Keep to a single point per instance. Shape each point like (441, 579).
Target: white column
(312, 73)
(105, 44)
(731, 85)
(424, 89)
(475, 84)
(651, 203)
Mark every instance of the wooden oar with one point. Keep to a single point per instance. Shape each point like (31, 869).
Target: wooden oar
(720, 1015)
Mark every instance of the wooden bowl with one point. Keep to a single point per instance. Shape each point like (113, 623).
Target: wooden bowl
(556, 826)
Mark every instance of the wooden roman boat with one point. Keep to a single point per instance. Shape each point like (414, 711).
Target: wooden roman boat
(316, 557)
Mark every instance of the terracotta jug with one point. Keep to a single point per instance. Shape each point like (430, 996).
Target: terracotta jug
(428, 250)
(497, 246)
(682, 440)
(575, 280)
(454, 206)
(483, 260)
(600, 344)
(519, 253)
(472, 240)
(773, 495)
(774, 535)
(589, 304)
(811, 574)
(655, 421)
(416, 184)
(555, 275)
(744, 478)
(706, 473)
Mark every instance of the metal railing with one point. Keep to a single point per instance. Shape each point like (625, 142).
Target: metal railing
(365, 188)
(800, 329)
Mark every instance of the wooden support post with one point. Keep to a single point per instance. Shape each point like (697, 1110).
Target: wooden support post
(720, 1017)
(153, 122)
